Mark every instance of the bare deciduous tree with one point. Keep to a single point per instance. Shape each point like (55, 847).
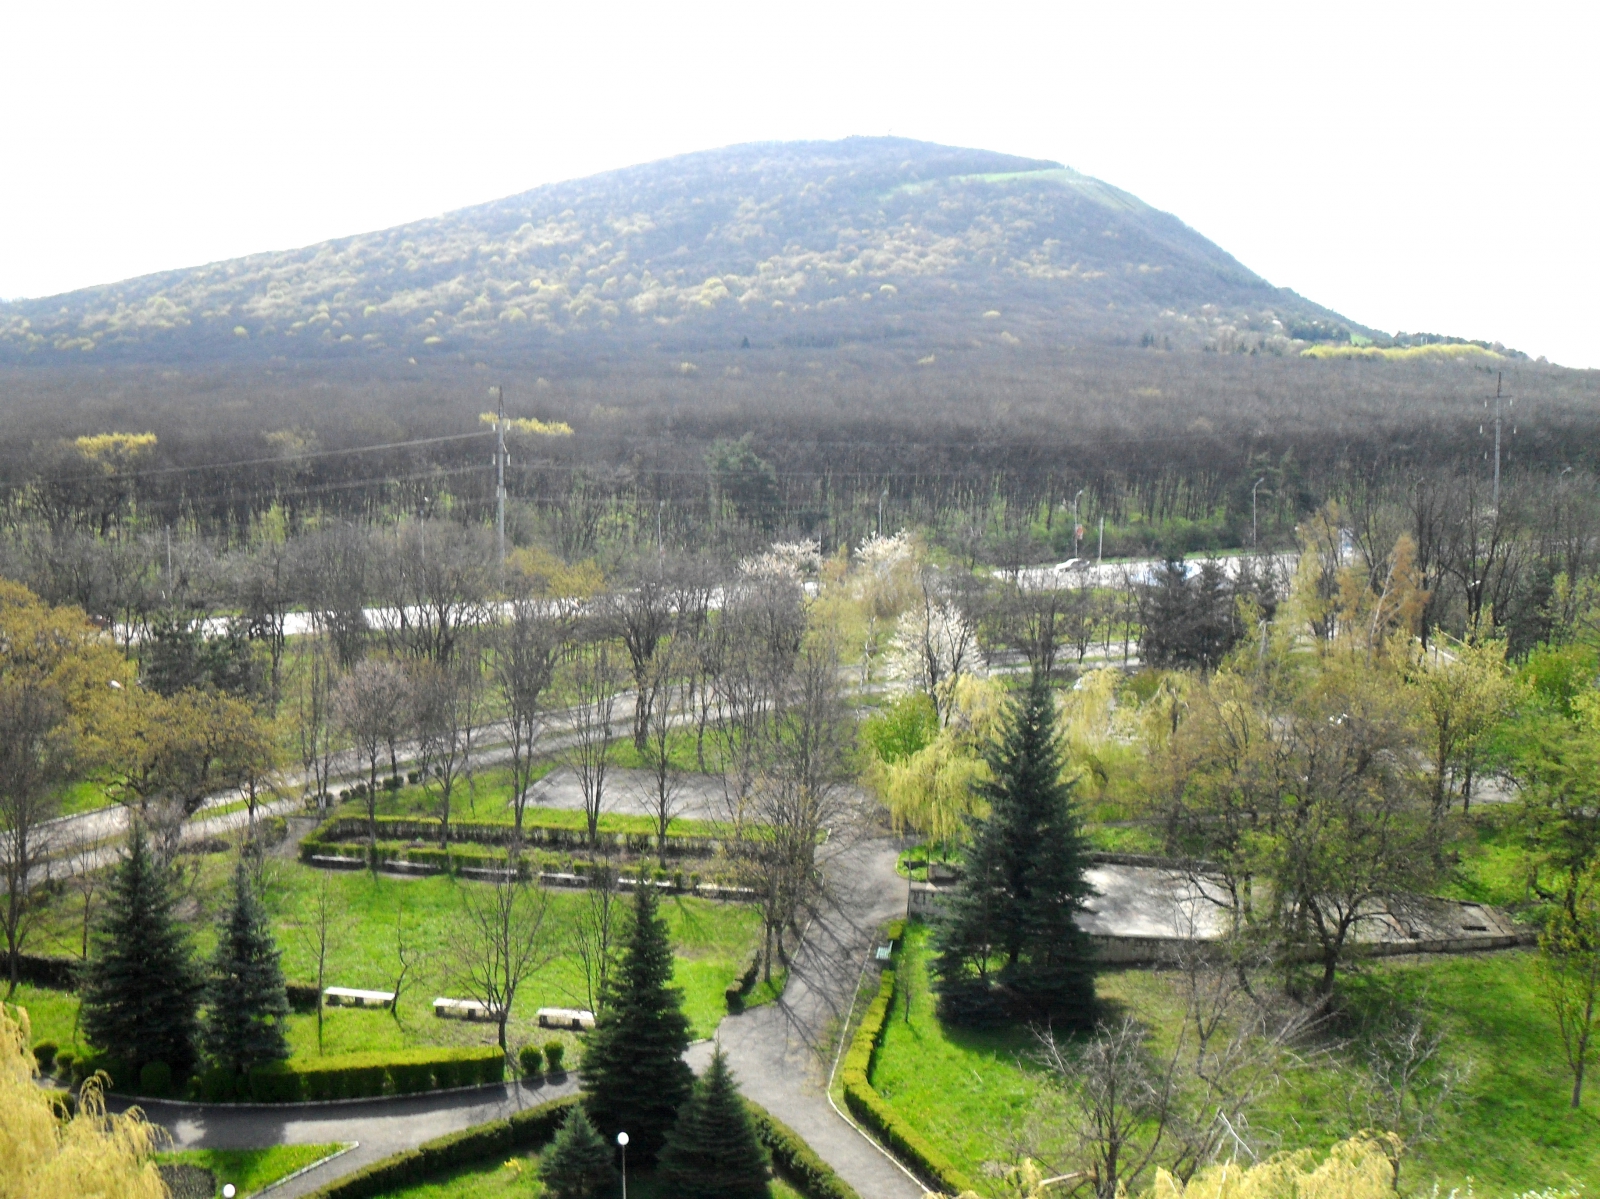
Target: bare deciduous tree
(371, 703)
(596, 683)
(595, 930)
(526, 652)
(504, 944)
(320, 926)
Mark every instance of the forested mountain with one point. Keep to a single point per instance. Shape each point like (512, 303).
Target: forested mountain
(783, 245)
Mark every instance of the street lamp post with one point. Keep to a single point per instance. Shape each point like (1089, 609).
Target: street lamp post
(1254, 538)
(622, 1139)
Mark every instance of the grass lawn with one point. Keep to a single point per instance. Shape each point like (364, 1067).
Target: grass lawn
(1510, 1131)
(488, 801)
(251, 1169)
(711, 942)
(519, 1176)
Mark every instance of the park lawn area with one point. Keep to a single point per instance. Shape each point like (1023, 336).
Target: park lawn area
(711, 941)
(489, 802)
(1510, 1131)
(251, 1169)
(86, 795)
(1493, 864)
(52, 1015)
(519, 1176)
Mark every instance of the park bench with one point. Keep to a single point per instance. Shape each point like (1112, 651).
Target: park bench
(566, 1017)
(463, 1009)
(354, 997)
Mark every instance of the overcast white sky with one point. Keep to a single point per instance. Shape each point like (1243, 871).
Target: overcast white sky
(1414, 166)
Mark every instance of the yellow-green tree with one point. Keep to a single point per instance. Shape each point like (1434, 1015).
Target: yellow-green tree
(56, 671)
(43, 1156)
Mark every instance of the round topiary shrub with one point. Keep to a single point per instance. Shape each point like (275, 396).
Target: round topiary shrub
(531, 1059)
(155, 1078)
(554, 1051)
(64, 1061)
(44, 1053)
(218, 1085)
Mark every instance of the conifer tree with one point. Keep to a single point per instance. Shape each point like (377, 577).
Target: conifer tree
(577, 1164)
(246, 1002)
(1009, 940)
(633, 1067)
(712, 1151)
(141, 987)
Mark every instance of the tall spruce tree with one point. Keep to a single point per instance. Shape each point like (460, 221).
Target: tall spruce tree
(246, 1002)
(1008, 942)
(578, 1163)
(141, 987)
(633, 1068)
(712, 1151)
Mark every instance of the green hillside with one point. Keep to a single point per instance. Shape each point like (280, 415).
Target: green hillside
(797, 244)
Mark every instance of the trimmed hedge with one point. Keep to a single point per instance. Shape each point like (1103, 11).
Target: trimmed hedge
(534, 834)
(874, 1111)
(794, 1160)
(486, 1142)
(363, 1075)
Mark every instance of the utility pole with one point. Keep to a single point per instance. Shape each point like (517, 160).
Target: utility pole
(500, 470)
(1100, 556)
(1254, 538)
(1077, 529)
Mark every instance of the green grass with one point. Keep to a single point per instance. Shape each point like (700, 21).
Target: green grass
(1510, 1131)
(52, 1015)
(87, 795)
(489, 802)
(251, 1169)
(519, 1176)
(711, 942)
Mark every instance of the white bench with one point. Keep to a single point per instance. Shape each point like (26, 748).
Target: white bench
(566, 1017)
(463, 1009)
(354, 997)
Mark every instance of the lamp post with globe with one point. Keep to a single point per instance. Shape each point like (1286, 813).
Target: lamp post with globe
(622, 1139)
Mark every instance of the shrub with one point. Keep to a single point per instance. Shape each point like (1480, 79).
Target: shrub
(531, 1059)
(155, 1078)
(44, 1053)
(217, 1085)
(360, 1075)
(794, 1160)
(554, 1051)
(64, 1061)
(874, 1111)
(527, 1129)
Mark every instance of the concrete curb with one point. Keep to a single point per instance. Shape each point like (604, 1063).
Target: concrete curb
(316, 1165)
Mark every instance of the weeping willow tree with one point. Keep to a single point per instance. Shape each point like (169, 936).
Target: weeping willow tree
(43, 1156)
(927, 782)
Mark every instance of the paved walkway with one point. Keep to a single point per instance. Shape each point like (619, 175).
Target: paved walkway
(781, 1052)
(380, 1127)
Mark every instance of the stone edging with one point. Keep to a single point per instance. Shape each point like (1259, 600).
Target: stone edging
(318, 1164)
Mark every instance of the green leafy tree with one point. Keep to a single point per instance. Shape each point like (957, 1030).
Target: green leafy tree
(246, 1003)
(1010, 937)
(141, 989)
(745, 479)
(633, 1067)
(1569, 976)
(712, 1151)
(577, 1165)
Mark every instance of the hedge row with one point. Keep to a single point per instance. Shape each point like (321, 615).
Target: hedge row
(486, 1142)
(361, 1075)
(794, 1160)
(58, 973)
(423, 828)
(873, 1110)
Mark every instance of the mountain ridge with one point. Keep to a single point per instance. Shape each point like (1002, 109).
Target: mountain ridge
(768, 243)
